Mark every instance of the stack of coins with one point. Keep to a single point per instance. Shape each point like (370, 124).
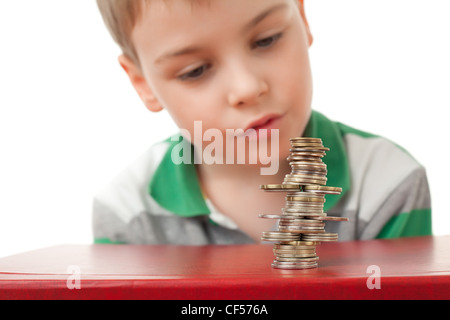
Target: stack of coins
(301, 225)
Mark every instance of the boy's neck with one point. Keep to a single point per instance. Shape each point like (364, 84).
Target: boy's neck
(234, 191)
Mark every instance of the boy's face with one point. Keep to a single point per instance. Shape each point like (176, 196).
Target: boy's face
(233, 64)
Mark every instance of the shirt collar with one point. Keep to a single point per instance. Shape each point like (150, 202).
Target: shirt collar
(176, 188)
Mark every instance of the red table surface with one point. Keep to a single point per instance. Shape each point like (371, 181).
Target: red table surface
(411, 268)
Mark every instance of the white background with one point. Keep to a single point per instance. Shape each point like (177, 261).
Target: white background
(70, 121)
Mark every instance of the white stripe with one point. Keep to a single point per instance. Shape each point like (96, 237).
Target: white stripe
(127, 194)
(377, 167)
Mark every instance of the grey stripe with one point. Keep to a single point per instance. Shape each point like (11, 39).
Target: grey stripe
(412, 193)
(153, 229)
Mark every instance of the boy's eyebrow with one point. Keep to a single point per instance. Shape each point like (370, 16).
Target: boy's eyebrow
(252, 23)
(187, 50)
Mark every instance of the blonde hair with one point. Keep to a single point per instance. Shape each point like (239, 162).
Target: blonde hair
(120, 17)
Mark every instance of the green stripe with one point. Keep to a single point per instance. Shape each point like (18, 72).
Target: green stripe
(176, 187)
(106, 241)
(408, 224)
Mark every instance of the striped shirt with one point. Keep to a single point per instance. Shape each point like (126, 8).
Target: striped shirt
(154, 201)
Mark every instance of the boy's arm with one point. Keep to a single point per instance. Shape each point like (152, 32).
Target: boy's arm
(389, 195)
(125, 199)
(414, 218)
(417, 222)
(410, 207)
(105, 224)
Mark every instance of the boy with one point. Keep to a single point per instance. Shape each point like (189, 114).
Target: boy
(240, 65)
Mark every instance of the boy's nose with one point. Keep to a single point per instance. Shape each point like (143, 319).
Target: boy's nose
(246, 87)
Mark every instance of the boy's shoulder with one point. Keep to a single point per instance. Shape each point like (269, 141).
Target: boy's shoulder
(360, 162)
(355, 143)
(149, 201)
(127, 191)
(380, 179)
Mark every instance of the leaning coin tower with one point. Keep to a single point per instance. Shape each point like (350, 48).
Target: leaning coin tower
(301, 225)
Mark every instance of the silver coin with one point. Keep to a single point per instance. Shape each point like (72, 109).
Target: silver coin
(324, 237)
(295, 251)
(307, 227)
(304, 158)
(299, 204)
(306, 139)
(296, 266)
(279, 236)
(292, 264)
(314, 180)
(289, 209)
(312, 259)
(294, 254)
(302, 214)
(330, 218)
(311, 149)
(296, 172)
(308, 164)
(305, 261)
(286, 227)
(323, 189)
(277, 216)
(300, 230)
(279, 265)
(301, 153)
(270, 216)
(303, 194)
(307, 222)
(286, 246)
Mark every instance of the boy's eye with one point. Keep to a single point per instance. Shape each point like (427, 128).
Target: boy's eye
(267, 42)
(194, 74)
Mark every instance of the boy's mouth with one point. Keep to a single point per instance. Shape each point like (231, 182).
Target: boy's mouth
(268, 122)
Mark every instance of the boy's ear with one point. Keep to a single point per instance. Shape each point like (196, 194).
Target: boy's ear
(140, 84)
(305, 21)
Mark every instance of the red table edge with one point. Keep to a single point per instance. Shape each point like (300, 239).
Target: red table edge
(392, 288)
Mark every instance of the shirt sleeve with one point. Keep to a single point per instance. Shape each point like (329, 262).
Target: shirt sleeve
(410, 206)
